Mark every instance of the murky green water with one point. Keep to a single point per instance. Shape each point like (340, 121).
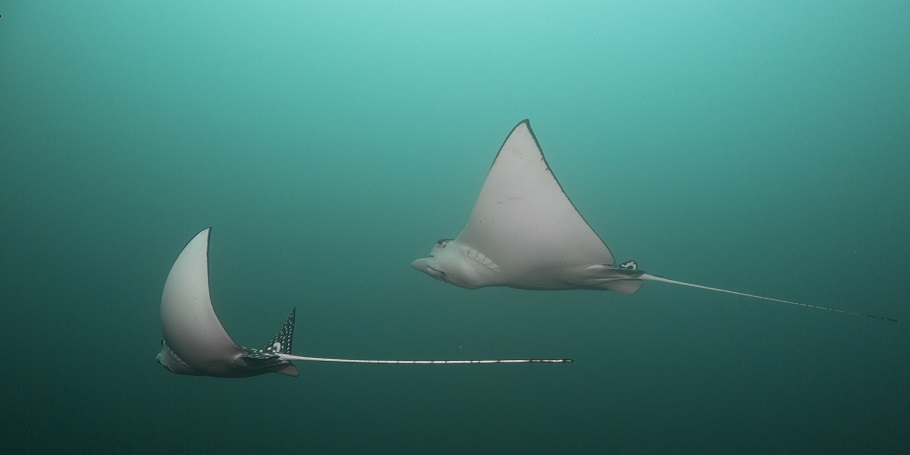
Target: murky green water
(757, 146)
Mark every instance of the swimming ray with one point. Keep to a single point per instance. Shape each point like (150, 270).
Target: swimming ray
(525, 233)
(195, 342)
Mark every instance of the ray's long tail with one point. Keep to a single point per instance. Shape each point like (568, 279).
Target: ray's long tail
(420, 362)
(649, 277)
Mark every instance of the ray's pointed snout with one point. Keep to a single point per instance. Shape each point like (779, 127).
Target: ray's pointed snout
(423, 265)
(158, 360)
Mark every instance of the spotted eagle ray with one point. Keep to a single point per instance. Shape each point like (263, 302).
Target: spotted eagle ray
(525, 233)
(195, 342)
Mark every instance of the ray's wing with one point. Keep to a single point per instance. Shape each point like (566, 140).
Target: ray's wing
(523, 218)
(188, 321)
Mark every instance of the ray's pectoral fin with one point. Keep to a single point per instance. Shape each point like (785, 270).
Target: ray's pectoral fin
(523, 232)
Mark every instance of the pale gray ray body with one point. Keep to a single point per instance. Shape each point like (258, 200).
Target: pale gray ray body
(525, 233)
(195, 342)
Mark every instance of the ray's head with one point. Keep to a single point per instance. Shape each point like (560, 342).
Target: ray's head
(437, 263)
(171, 362)
(452, 262)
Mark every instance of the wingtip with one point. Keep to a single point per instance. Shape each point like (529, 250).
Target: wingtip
(527, 125)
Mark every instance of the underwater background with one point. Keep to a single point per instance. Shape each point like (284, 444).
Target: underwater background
(759, 146)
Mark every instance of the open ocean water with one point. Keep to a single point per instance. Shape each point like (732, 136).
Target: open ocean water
(759, 146)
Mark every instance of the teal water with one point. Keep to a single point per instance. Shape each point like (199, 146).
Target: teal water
(756, 146)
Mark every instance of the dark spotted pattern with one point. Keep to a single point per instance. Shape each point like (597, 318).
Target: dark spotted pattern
(282, 341)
